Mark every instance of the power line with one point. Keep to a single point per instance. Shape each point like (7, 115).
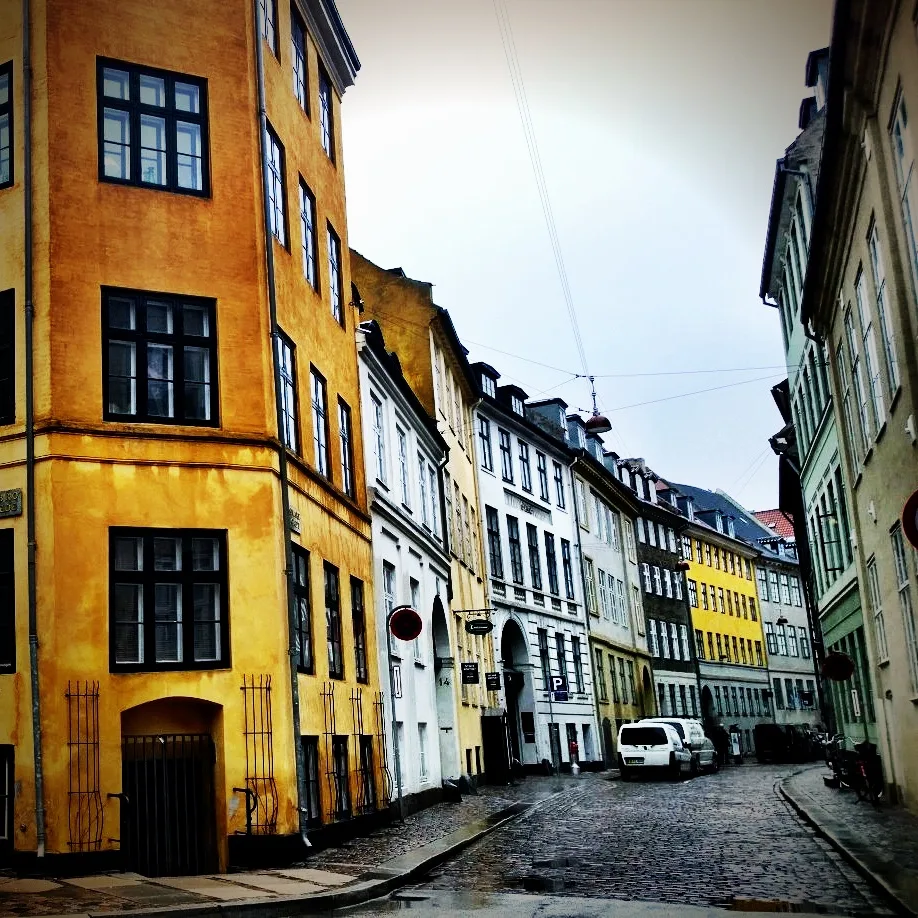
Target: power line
(522, 104)
(669, 398)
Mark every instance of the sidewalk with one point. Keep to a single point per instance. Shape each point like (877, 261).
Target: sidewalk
(881, 843)
(360, 870)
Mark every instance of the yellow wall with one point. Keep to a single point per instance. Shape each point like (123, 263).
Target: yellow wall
(413, 328)
(719, 574)
(91, 475)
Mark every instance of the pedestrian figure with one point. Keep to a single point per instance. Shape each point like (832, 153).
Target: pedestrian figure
(721, 740)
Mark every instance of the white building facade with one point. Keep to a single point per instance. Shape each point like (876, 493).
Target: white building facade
(405, 455)
(534, 587)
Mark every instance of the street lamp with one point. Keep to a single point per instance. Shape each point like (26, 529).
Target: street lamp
(404, 623)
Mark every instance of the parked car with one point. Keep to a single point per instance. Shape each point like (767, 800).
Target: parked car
(652, 747)
(691, 732)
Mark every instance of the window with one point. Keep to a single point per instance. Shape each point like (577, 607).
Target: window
(422, 752)
(805, 642)
(905, 604)
(568, 568)
(516, 555)
(752, 612)
(153, 128)
(703, 595)
(590, 576)
(402, 442)
(720, 600)
(886, 332)
(905, 171)
(642, 535)
(876, 608)
(860, 393)
(298, 57)
(542, 469)
(694, 696)
(458, 540)
(320, 423)
(340, 777)
(652, 637)
(785, 590)
(333, 622)
(302, 598)
(274, 154)
(793, 649)
(308, 234)
(525, 469)
(488, 386)
(346, 443)
(334, 275)
(699, 644)
(379, 439)
(432, 491)
(467, 532)
(730, 604)
(559, 484)
(506, 458)
(544, 660)
(759, 661)
(144, 379)
(268, 10)
(422, 486)
(713, 591)
(561, 654)
(484, 439)
(313, 802)
(6, 130)
(168, 599)
(711, 646)
(648, 583)
(326, 115)
(707, 554)
(781, 634)
(613, 679)
(677, 585)
(657, 582)
(720, 649)
(667, 583)
(684, 641)
(7, 613)
(795, 591)
(629, 541)
(551, 564)
(601, 676)
(605, 603)
(535, 564)
(771, 640)
(7, 357)
(359, 621)
(492, 521)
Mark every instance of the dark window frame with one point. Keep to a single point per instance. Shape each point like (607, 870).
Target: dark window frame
(309, 242)
(148, 577)
(535, 561)
(177, 339)
(516, 549)
(525, 466)
(7, 601)
(7, 357)
(335, 275)
(577, 653)
(299, 59)
(312, 781)
(270, 22)
(319, 415)
(346, 442)
(302, 590)
(359, 626)
(6, 108)
(275, 165)
(542, 471)
(326, 114)
(505, 445)
(568, 569)
(341, 776)
(551, 564)
(495, 553)
(171, 115)
(284, 345)
(333, 636)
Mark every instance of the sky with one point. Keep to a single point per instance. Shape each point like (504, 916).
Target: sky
(658, 124)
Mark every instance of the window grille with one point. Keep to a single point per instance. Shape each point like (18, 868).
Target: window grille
(259, 752)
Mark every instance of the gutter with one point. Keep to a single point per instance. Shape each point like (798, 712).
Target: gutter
(30, 433)
(293, 652)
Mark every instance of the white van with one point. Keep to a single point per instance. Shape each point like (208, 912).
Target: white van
(654, 746)
(704, 755)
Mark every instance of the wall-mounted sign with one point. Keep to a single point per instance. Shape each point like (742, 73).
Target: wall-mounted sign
(405, 623)
(293, 520)
(559, 688)
(470, 674)
(492, 681)
(479, 625)
(910, 519)
(11, 502)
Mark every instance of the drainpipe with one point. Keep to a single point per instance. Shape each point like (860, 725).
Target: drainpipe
(282, 450)
(30, 433)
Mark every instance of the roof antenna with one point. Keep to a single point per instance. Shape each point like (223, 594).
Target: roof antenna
(597, 423)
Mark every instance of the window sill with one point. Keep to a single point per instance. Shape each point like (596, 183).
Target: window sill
(880, 433)
(895, 399)
(883, 664)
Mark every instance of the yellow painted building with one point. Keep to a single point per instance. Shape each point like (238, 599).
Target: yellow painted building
(726, 619)
(435, 365)
(166, 576)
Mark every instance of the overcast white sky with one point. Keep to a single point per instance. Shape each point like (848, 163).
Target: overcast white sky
(658, 123)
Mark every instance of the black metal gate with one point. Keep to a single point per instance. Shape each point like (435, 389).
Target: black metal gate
(496, 744)
(168, 823)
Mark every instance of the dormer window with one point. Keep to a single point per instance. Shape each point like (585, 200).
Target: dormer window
(488, 385)
(581, 438)
(516, 404)
(731, 531)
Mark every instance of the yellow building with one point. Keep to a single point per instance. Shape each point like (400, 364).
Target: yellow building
(435, 365)
(726, 619)
(184, 561)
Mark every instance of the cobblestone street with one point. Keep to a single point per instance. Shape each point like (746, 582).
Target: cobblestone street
(720, 840)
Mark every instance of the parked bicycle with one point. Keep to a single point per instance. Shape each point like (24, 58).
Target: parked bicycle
(859, 769)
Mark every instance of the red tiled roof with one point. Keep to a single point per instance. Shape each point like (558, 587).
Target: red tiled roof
(778, 520)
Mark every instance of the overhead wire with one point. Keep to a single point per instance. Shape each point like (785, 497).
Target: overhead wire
(669, 398)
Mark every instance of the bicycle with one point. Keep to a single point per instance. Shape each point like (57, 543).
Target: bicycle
(868, 773)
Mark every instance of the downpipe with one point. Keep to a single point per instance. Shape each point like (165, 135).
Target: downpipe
(30, 432)
(293, 651)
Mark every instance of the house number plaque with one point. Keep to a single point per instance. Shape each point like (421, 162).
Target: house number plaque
(11, 503)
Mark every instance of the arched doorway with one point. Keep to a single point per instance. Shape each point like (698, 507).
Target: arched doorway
(707, 707)
(170, 750)
(514, 655)
(444, 673)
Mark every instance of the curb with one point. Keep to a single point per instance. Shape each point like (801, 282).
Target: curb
(375, 884)
(854, 859)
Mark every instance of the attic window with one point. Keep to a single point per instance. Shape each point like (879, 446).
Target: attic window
(581, 439)
(487, 384)
(516, 403)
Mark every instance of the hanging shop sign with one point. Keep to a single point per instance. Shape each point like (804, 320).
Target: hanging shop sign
(470, 674)
(838, 667)
(479, 626)
(910, 519)
(492, 681)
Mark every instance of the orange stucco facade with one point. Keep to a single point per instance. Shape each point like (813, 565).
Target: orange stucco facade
(93, 473)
